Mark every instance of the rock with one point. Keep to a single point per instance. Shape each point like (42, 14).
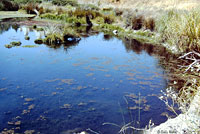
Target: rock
(115, 32)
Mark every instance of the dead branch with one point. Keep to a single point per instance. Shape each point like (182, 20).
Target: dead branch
(193, 61)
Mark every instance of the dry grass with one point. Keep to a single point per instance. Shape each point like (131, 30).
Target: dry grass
(147, 7)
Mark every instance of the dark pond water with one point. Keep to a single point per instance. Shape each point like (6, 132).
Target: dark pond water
(73, 88)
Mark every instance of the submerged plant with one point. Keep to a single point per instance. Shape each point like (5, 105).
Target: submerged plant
(38, 41)
(29, 46)
(27, 38)
(8, 46)
(16, 43)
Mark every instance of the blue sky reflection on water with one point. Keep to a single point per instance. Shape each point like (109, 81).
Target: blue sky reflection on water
(57, 90)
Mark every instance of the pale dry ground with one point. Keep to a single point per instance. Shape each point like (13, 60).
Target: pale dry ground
(187, 122)
(146, 7)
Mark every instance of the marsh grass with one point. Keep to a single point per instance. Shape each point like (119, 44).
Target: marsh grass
(180, 29)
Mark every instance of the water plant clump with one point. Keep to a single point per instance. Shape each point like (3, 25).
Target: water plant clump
(38, 41)
(16, 43)
(8, 46)
(27, 38)
(52, 38)
(39, 29)
(29, 46)
(34, 26)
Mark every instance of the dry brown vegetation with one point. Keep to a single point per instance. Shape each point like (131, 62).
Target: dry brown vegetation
(147, 7)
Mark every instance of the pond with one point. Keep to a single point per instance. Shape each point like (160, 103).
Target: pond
(92, 84)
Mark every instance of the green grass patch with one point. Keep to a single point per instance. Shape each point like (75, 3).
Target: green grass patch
(16, 43)
(29, 46)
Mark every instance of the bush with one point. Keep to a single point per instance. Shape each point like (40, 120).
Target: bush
(6, 5)
(30, 8)
(108, 19)
(118, 12)
(137, 22)
(82, 13)
(149, 23)
(65, 2)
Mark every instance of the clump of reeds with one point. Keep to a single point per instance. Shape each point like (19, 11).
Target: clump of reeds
(180, 29)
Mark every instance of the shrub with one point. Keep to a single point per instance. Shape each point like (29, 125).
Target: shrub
(8, 6)
(30, 8)
(65, 2)
(118, 12)
(108, 19)
(82, 13)
(149, 23)
(137, 22)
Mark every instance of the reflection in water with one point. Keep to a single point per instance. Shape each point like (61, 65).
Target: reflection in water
(50, 91)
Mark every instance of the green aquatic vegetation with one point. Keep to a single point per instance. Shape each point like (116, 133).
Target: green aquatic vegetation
(38, 41)
(111, 28)
(79, 13)
(16, 43)
(53, 39)
(27, 38)
(39, 29)
(29, 46)
(76, 21)
(109, 19)
(98, 20)
(34, 26)
(8, 46)
(50, 16)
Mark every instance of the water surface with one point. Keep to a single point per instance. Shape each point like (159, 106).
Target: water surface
(73, 88)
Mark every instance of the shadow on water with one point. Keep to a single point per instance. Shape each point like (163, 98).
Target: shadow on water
(100, 80)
